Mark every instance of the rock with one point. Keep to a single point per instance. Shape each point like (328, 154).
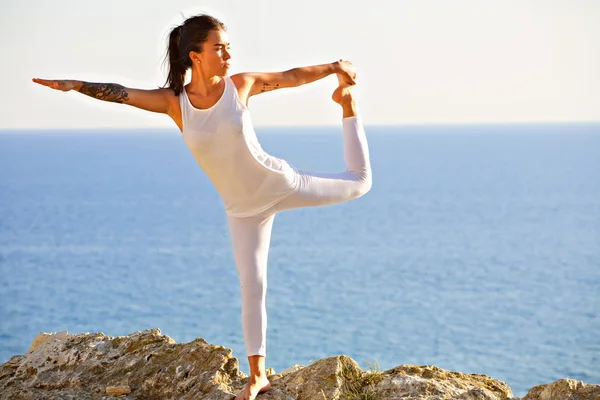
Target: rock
(564, 389)
(149, 365)
(477, 394)
(118, 390)
(324, 379)
(152, 365)
(293, 368)
(434, 383)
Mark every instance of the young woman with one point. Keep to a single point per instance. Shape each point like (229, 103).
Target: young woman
(212, 113)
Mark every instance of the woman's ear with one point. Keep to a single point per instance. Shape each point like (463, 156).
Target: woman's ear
(194, 57)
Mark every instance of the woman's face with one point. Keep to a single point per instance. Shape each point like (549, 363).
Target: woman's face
(215, 53)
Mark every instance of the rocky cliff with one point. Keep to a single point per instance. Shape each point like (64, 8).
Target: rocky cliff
(147, 365)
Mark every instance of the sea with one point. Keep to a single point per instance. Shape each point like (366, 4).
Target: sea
(476, 250)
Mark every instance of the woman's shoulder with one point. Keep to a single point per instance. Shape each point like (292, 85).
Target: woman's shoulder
(237, 79)
(243, 84)
(241, 80)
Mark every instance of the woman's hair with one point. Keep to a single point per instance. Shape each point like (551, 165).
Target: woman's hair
(187, 37)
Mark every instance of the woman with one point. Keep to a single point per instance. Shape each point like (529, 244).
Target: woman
(212, 114)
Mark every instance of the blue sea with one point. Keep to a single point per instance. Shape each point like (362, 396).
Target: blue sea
(477, 249)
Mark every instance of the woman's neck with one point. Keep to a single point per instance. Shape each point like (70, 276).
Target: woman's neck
(202, 84)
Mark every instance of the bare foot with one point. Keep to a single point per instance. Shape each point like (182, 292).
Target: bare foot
(343, 93)
(254, 387)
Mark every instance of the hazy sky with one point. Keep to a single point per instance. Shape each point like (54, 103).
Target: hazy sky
(418, 62)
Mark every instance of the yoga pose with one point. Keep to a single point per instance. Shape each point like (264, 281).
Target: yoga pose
(212, 114)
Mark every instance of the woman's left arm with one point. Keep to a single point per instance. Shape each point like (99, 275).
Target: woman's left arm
(261, 82)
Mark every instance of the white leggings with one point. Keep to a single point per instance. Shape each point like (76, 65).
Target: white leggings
(251, 236)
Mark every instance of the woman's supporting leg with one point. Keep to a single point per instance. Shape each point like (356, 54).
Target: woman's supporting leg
(317, 189)
(250, 238)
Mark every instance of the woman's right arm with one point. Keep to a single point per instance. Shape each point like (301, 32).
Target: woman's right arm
(156, 100)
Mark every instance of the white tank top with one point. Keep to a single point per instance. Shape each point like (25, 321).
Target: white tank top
(223, 142)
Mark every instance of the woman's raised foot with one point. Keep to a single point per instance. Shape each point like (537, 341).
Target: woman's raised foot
(343, 93)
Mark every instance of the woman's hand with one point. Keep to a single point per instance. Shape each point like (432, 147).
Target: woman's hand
(347, 71)
(64, 85)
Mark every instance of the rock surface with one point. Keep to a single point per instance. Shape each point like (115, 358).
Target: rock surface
(147, 365)
(564, 389)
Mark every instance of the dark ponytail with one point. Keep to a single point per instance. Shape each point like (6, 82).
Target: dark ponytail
(185, 38)
(177, 71)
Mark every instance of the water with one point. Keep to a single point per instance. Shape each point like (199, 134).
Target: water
(477, 249)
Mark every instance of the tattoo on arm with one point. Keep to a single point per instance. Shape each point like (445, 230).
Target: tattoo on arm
(268, 87)
(112, 92)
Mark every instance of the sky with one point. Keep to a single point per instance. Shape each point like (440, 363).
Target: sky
(418, 62)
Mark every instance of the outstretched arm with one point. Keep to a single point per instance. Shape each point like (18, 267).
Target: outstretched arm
(156, 100)
(261, 82)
